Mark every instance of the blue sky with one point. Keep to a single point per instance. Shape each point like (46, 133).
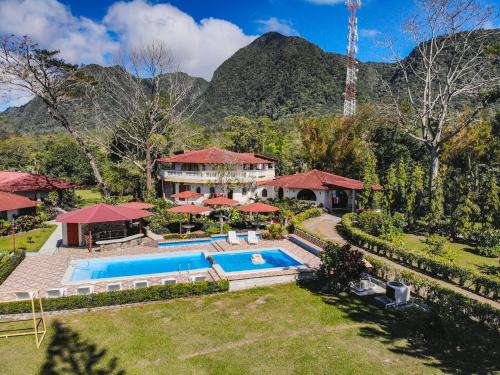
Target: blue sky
(201, 34)
(323, 24)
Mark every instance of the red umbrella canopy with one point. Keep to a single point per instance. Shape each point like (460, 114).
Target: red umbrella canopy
(258, 207)
(189, 209)
(101, 213)
(186, 195)
(220, 201)
(137, 205)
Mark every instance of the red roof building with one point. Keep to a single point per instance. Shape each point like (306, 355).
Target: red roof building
(31, 185)
(12, 205)
(208, 172)
(215, 155)
(325, 189)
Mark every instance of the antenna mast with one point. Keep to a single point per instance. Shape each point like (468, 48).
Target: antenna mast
(352, 63)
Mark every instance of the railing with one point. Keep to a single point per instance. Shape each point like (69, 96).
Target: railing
(216, 176)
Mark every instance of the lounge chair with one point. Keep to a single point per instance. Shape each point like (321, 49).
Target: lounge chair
(252, 237)
(84, 290)
(232, 238)
(198, 279)
(114, 287)
(168, 281)
(141, 284)
(56, 292)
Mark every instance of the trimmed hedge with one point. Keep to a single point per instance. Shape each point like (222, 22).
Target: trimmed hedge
(9, 262)
(484, 285)
(185, 236)
(303, 216)
(153, 293)
(448, 304)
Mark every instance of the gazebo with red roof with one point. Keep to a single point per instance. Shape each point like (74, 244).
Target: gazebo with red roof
(102, 221)
(12, 205)
(326, 189)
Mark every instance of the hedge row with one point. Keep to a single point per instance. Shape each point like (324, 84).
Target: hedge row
(445, 302)
(9, 262)
(484, 285)
(303, 216)
(153, 293)
(185, 236)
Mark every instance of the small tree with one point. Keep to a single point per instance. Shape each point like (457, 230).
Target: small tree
(339, 266)
(414, 193)
(390, 189)
(369, 197)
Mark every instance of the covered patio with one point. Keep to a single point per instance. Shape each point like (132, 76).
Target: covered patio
(101, 222)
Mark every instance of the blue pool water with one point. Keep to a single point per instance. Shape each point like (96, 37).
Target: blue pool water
(122, 267)
(242, 261)
(221, 237)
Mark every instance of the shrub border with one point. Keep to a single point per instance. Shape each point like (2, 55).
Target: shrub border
(484, 285)
(9, 262)
(152, 293)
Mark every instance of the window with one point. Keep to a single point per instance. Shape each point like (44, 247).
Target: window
(244, 190)
(212, 190)
(264, 193)
(198, 190)
(280, 193)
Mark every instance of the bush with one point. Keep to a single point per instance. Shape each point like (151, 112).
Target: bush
(487, 251)
(5, 226)
(9, 262)
(436, 244)
(485, 285)
(153, 293)
(274, 232)
(212, 230)
(339, 266)
(371, 222)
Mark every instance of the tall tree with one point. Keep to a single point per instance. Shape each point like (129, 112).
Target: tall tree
(452, 62)
(145, 107)
(27, 69)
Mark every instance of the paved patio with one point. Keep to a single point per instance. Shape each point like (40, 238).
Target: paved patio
(45, 272)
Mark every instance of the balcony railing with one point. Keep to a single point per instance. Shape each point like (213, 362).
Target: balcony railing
(214, 176)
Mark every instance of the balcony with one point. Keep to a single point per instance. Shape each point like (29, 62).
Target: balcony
(241, 176)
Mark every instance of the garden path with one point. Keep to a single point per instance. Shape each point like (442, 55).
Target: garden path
(325, 226)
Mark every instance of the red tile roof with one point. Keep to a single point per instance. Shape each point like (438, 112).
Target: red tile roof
(137, 205)
(10, 201)
(21, 181)
(316, 180)
(215, 155)
(102, 213)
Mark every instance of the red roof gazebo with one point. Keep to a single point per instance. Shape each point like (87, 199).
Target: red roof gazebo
(190, 209)
(77, 223)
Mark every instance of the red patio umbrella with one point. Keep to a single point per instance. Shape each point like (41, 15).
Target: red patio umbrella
(221, 202)
(188, 209)
(186, 195)
(258, 207)
(137, 205)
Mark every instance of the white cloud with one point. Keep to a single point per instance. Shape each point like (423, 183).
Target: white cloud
(52, 25)
(326, 2)
(274, 24)
(198, 48)
(369, 33)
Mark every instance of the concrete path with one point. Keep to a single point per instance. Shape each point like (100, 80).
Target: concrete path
(325, 226)
(50, 246)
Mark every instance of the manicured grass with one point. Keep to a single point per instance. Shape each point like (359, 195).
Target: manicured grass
(89, 197)
(462, 255)
(23, 241)
(276, 330)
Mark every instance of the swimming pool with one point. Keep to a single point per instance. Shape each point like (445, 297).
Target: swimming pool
(107, 268)
(221, 237)
(242, 260)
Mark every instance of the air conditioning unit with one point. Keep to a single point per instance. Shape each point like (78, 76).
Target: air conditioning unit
(398, 292)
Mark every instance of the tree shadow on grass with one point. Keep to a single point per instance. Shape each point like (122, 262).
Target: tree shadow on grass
(463, 347)
(489, 270)
(68, 353)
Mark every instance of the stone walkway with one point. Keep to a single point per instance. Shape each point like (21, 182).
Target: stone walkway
(326, 227)
(50, 246)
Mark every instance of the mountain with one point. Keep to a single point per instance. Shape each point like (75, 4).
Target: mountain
(279, 76)
(275, 76)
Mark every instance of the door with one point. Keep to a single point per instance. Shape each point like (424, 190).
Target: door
(72, 229)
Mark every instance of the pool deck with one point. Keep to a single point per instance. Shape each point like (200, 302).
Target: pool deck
(45, 272)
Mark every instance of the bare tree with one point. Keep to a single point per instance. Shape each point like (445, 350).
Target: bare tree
(144, 107)
(449, 65)
(24, 68)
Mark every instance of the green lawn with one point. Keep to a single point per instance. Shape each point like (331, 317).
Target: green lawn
(89, 197)
(23, 241)
(277, 330)
(462, 256)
